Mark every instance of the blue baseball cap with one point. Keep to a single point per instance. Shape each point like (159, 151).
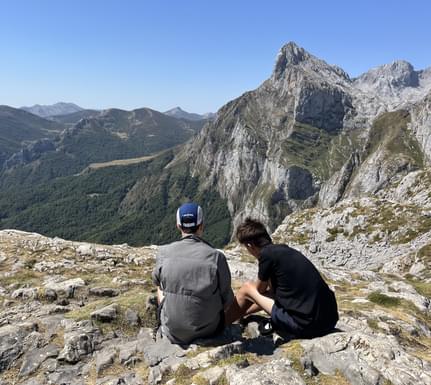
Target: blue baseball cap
(189, 215)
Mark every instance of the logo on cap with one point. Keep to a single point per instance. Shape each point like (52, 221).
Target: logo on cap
(189, 215)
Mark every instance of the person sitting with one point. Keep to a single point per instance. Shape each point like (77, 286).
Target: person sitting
(193, 282)
(288, 288)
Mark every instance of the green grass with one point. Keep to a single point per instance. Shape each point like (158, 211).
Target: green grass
(135, 300)
(384, 300)
(390, 130)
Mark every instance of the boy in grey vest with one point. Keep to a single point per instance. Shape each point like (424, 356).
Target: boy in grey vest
(193, 282)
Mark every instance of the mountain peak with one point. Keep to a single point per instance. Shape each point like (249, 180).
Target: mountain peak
(292, 55)
(396, 75)
(179, 113)
(60, 108)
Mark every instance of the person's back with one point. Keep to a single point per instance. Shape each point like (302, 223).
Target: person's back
(194, 281)
(288, 288)
(298, 288)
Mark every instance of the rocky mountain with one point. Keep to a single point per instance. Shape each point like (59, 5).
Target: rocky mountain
(179, 113)
(19, 128)
(79, 313)
(60, 108)
(309, 136)
(396, 83)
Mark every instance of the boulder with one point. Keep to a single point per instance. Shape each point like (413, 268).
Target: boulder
(104, 291)
(106, 314)
(65, 288)
(33, 358)
(12, 339)
(80, 340)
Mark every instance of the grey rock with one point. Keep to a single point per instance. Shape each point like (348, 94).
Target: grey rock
(106, 314)
(64, 288)
(35, 357)
(127, 379)
(207, 358)
(67, 375)
(154, 352)
(213, 375)
(80, 340)
(31, 381)
(277, 372)
(127, 351)
(132, 317)
(365, 359)
(104, 291)
(104, 359)
(12, 342)
(25, 294)
(50, 295)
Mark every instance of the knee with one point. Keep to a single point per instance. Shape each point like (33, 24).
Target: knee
(247, 287)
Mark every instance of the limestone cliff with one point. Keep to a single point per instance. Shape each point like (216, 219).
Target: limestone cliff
(310, 134)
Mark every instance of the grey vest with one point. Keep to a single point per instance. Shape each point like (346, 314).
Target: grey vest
(196, 283)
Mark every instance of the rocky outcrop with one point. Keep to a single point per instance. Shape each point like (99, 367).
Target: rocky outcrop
(421, 123)
(311, 116)
(92, 337)
(361, 357)
(30, 153)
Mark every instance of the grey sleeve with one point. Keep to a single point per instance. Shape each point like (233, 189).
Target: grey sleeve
(156, 271)
(224, 279)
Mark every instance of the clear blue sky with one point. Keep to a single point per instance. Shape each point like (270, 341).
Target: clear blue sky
(198, 54)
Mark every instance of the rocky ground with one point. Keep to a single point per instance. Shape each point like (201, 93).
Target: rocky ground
(77, 313)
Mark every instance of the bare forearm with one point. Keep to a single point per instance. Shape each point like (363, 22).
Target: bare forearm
(160, 295)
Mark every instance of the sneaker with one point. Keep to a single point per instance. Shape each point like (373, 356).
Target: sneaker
(265, 328)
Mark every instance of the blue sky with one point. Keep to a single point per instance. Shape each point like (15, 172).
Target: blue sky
(196, 54)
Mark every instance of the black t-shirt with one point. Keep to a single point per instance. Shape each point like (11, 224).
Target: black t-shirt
(298, 287)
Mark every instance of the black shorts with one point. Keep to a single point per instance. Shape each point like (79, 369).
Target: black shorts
(282, 321)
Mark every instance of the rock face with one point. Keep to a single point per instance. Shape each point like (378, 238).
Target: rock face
(84, 335)
(310, 116)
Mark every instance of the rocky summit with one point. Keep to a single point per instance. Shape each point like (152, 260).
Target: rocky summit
(81, 313)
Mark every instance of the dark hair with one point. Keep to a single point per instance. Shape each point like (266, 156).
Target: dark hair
(189, 230)
(254, 232)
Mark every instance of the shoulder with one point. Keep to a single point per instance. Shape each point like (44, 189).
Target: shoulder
(274, 249)
(168, 248)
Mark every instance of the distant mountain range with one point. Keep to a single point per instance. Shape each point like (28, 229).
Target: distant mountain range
(60, 108)
(70, 113)
(179, 113)
(19, 128)
(308, 136)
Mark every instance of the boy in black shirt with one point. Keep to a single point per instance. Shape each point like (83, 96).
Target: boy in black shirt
(289, 288)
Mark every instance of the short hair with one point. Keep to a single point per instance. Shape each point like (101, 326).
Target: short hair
(253, 232)
(190, 230)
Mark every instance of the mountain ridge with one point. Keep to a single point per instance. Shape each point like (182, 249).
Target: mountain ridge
(303, 138)
(48, 110)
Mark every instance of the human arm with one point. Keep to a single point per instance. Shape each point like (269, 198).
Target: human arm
(160, 295)
(156, 278)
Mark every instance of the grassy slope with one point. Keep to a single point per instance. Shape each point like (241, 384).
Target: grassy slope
(89, 207)
(18, 127)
